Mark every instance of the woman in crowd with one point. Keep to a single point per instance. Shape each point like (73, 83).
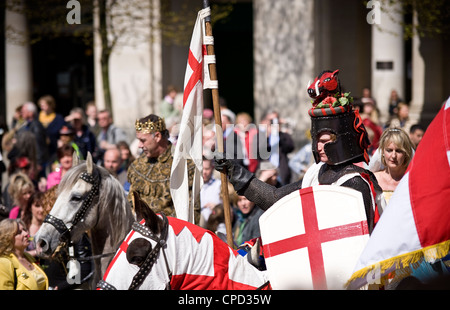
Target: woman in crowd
(246, 226)
(20, 189)
(33, 217)
(396, 152)
(50, 120)
(401, 119)
(18, 269)
(125, 154)
(65, 159)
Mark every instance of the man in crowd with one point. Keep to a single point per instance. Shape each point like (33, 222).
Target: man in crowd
(112, 161)
(32, 125)
(83, 137)
(416, 133)
(109, 134)
(280, 144)
(210, 192)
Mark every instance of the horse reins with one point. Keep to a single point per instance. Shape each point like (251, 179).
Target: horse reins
(146, 266)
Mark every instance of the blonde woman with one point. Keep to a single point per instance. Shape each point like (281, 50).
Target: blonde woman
(20, 189)
(396, 152)
(18, 269)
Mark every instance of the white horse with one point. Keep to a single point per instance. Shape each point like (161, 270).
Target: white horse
(89, 199)
(168, 253)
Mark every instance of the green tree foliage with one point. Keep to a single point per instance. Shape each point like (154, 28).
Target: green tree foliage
(433, 16)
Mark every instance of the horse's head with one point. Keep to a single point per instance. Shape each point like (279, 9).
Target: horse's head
(74, 210)
(139, 253)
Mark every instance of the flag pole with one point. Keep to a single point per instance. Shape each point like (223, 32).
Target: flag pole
(219, 131)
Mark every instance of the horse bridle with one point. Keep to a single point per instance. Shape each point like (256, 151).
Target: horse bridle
(60, 226)
(146, 266)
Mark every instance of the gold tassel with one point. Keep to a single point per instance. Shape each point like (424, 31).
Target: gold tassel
(404, 262)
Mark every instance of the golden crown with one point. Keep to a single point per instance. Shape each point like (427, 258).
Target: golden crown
(150, 127)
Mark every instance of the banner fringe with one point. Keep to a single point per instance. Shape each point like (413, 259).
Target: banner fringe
(403, 263)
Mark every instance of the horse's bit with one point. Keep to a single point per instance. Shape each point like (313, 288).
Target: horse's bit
(146, 266)
(59, 225)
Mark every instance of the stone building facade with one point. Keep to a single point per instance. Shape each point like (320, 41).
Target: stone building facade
(291, 42)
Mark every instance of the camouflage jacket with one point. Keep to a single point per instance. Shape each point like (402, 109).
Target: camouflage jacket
(150, 178)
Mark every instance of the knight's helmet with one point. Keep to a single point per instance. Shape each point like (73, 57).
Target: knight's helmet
(333, 111)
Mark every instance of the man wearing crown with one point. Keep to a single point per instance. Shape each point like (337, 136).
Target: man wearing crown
(149, 174)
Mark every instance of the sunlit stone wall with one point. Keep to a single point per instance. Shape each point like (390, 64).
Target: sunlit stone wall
(284, 59)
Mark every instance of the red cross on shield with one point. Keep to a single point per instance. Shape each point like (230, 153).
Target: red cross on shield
(313, 237)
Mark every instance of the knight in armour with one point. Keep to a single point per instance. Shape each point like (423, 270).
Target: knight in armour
(339, 141)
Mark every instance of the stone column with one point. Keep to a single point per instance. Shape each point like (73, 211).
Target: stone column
(418, 76)
(387, 57)
(135, 64)
(98, 90)
(284, 59)
(18, 75)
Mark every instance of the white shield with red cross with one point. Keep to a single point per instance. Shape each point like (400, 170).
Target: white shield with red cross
(313, 237)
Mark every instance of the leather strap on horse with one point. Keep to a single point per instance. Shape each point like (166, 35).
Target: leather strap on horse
(93, 179)
(59, 225)
(147, 265)
(103, 285)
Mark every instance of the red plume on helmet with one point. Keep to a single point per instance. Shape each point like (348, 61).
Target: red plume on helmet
(325, 85)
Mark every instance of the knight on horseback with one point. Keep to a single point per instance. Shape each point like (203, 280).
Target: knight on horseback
(339, 140)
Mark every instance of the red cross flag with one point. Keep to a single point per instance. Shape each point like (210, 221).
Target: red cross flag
(415, 226)
(189, 143)
(313, 237)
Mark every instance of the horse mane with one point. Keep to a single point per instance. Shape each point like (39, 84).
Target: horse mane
(112, 199)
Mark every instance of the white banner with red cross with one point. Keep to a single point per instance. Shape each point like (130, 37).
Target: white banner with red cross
(313, 237)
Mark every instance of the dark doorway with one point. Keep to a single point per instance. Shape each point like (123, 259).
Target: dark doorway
(63, 68)
(62, 53)
(233, 43)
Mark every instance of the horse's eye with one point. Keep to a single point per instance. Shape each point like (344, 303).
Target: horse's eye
(327, 80)
(75, 198)
(137, 260)
(138, 250)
